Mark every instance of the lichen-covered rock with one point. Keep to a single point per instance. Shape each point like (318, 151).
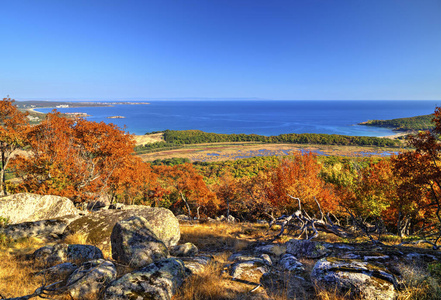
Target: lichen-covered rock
(196, 264)
(59, 253)
(25, 207)
(158, 281)
(290, 263)
(44, 229)
(187, 249)
(98, 226)
(250, 270)
(83, 252)
(134, 243)
(92, 276)
(59, 272)
(361, 279)
(307, 249)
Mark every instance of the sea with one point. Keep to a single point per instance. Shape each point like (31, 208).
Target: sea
(262, 117)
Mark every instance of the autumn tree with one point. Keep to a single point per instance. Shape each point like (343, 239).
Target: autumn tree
(187, 188)
(299, 177)
(420, 171)
(73, 157)
(13, 127)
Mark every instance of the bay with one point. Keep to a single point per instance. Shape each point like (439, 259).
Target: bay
(258, 117)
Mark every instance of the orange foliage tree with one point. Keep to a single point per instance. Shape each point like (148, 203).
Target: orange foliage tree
(186, 186)
(13, 127)
(73, 157)
(299, 177)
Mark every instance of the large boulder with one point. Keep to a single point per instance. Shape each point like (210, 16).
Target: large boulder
(134, 243)
(44, 229)
(25, 207)
(98, 225)
(158, 281)
(362, 279)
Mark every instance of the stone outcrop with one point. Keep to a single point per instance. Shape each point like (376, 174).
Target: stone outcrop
(249, 268)
(45, 229)
(158, 281)
(90, 278)
(25, 207)
(60, 253)
(361, 279)
(134, 243)
(98, 225)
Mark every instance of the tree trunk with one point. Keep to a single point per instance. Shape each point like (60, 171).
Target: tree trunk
(2, 176)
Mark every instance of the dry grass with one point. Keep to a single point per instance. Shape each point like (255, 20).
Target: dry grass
(148, 139)
(215, 237)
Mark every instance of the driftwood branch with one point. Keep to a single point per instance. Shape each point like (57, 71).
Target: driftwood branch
(303, 222)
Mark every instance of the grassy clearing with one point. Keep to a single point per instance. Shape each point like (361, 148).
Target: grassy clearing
(232, 151)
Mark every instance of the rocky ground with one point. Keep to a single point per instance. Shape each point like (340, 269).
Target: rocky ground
(147, 253)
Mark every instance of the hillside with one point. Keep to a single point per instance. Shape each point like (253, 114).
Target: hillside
(404, 124)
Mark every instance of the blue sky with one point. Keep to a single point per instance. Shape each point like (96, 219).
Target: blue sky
(291, 49)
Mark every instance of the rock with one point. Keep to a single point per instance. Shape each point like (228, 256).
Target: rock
(59, 272)
(134, 243)
(98, 225)
(272, 249)
(290, 263)
(102, 202)
(196, 264)
(307, 249)
(359, 278)
(158, 281)
(249, 270)
(83, 252)
(62, 252)
(187, 249)
(25, 207)
(43, 229)
(51, 255)
(242, 257)
(92, 276)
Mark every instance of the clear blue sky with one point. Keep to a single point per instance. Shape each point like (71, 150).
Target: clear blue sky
(291, 49)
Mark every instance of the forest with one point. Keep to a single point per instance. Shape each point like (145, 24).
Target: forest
(404, 124)
(85, 161)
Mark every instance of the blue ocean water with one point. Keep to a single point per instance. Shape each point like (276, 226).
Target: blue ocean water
(259, 117)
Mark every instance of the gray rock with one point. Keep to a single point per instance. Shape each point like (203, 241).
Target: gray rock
(290, 263)
(83, 252)
(249, 270)
(51, 255)
(60, 253)
(44, 229)
(361, 279)
(97, 226)
(134, 243)
(25, 207)
(307, 249)
(59, 272)
(187, 249)
(91, 277)
(243, 257)
(158, 281)
(272, 249)
(196, 264)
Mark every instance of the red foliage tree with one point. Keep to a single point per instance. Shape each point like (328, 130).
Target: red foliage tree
(13, 127)
(73, 157)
